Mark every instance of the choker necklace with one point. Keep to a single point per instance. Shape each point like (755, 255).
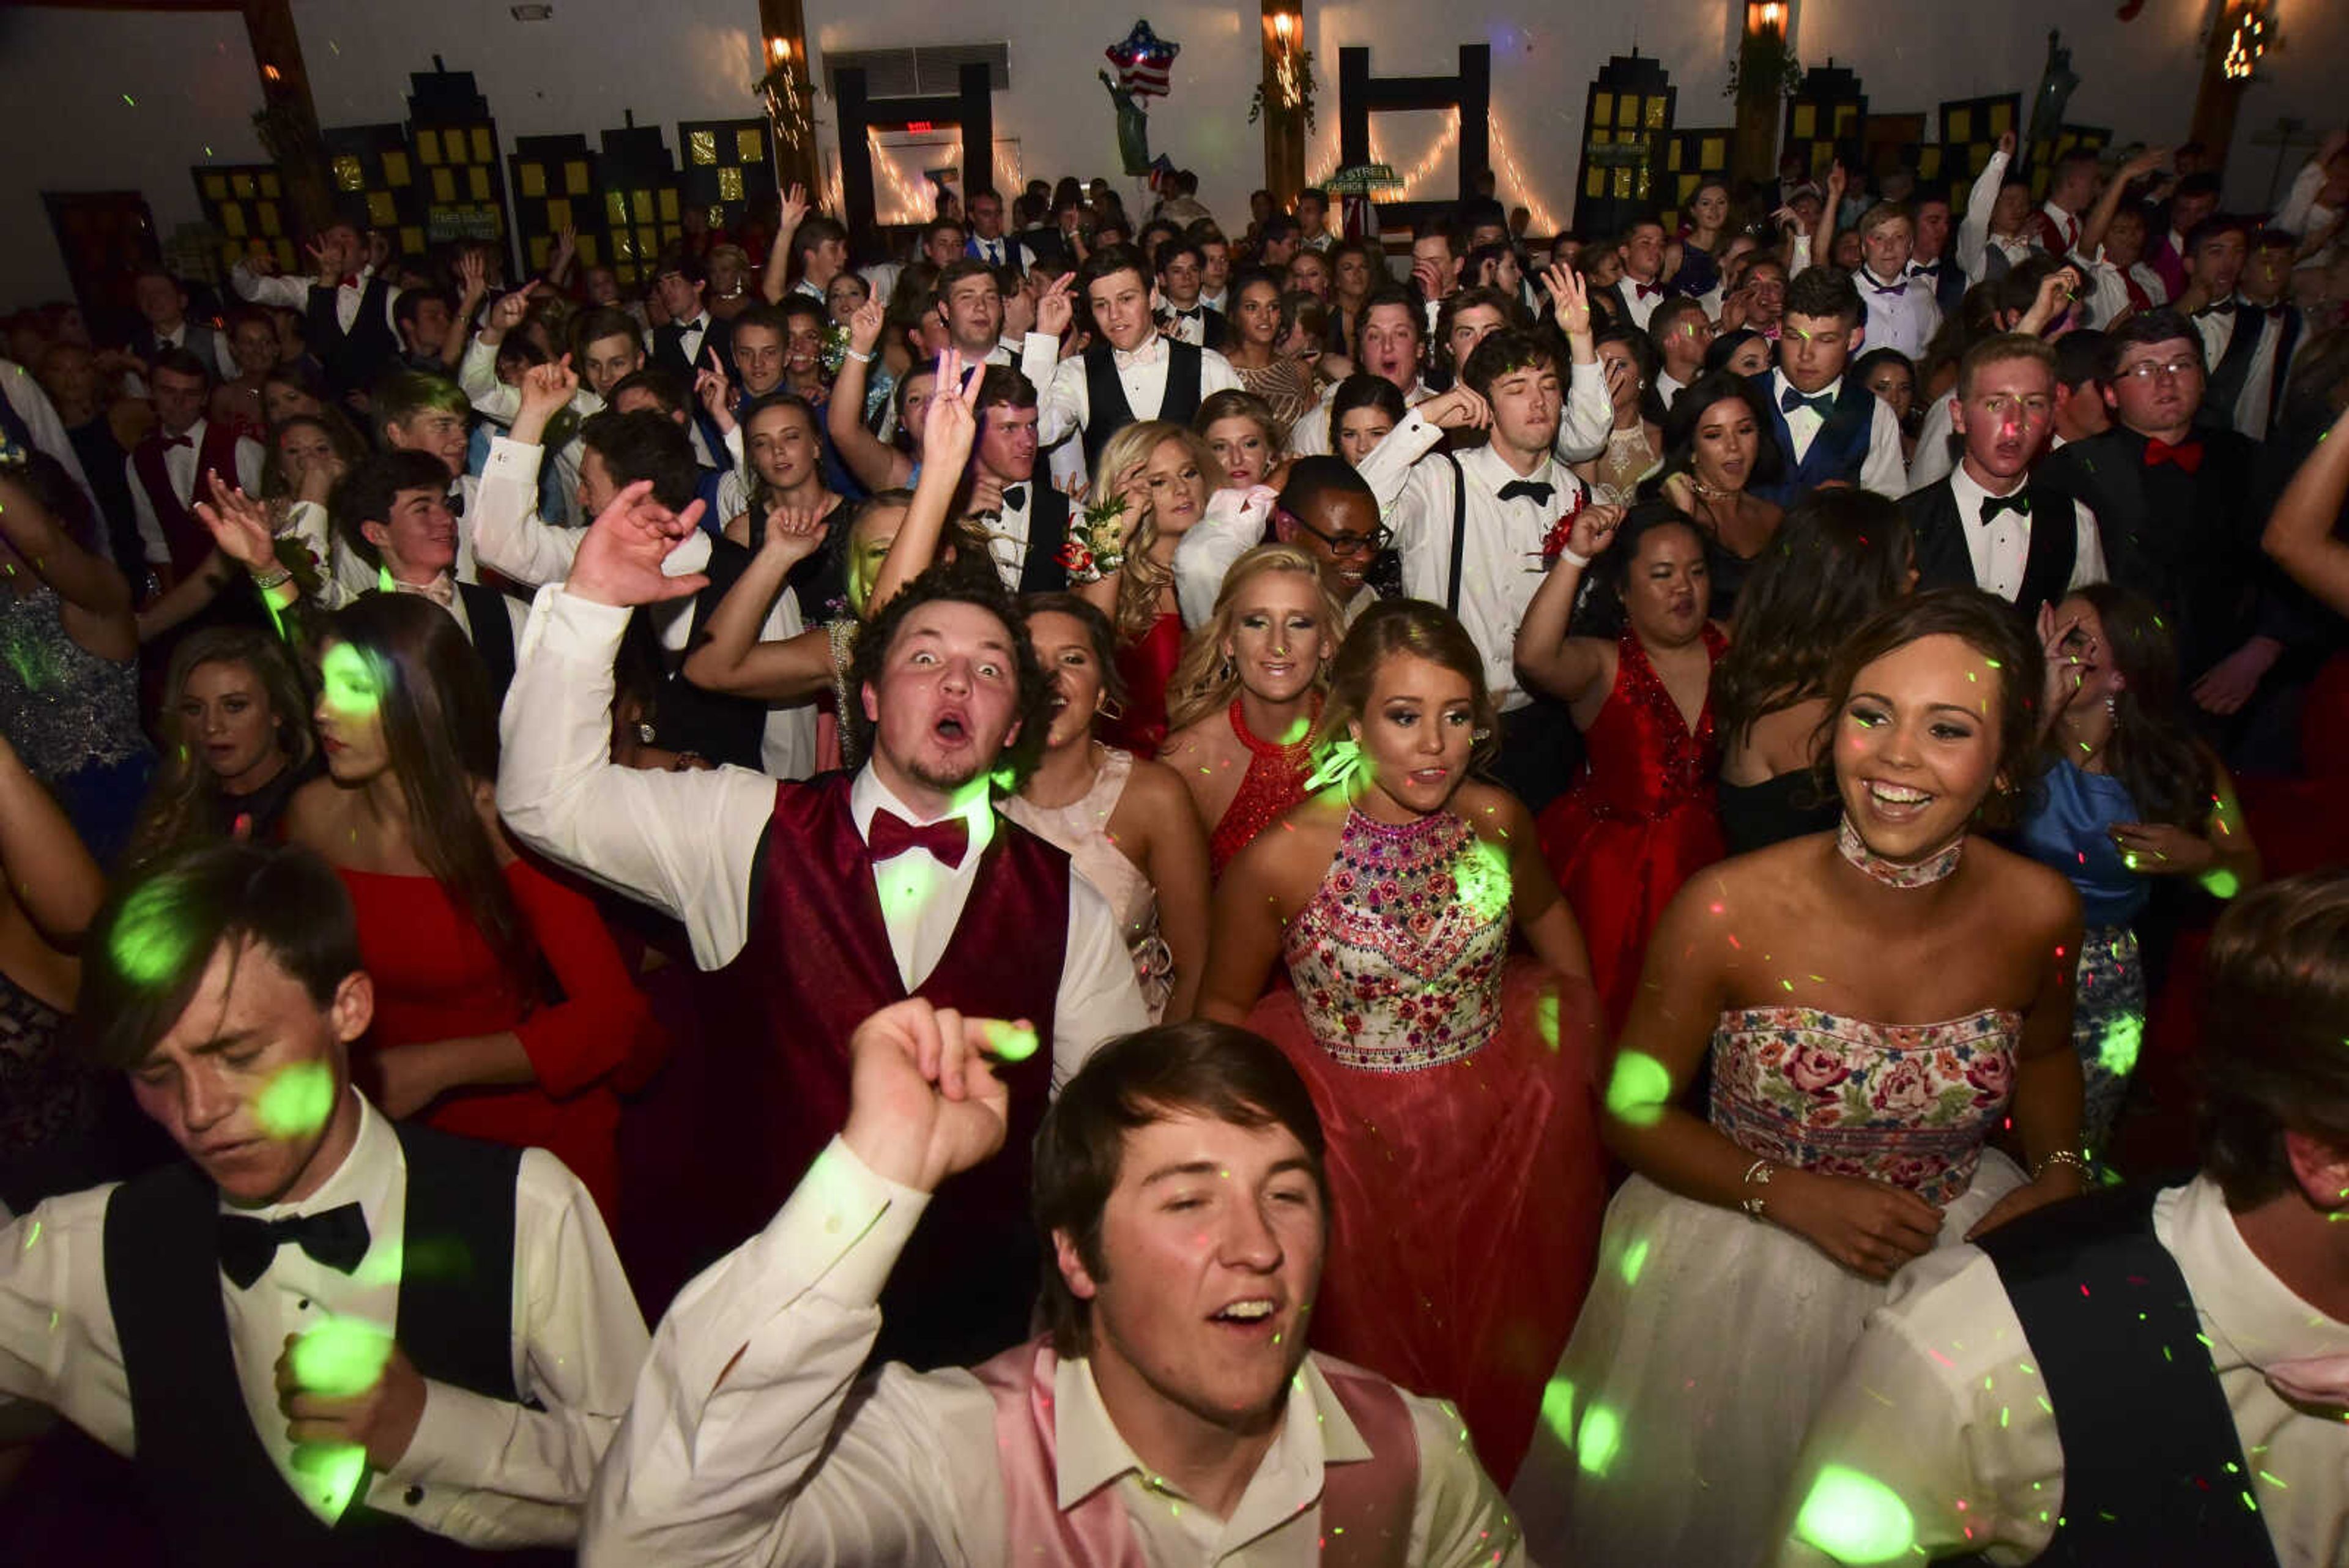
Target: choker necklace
(1708, 492)
(1896, 872)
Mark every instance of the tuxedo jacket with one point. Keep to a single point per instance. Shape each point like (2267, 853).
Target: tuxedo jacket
(669, 348)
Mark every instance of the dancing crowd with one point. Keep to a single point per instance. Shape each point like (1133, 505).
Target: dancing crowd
(1177, 894)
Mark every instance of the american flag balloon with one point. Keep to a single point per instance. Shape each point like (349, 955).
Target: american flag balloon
(1145, 61)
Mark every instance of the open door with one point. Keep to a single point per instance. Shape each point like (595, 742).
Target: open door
(104, 236)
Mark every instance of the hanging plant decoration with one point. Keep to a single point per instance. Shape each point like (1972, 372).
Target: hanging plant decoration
(1293, 79)
(1765, 65)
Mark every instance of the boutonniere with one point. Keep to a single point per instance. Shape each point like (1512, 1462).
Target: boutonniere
(836, 347)
(1096, 546)
(1554, 542)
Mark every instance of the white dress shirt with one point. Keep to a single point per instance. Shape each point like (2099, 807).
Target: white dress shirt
(1941, 1402)
(996, 252)
(293, 293)
(1669, 388)
(2000, 550)
(1640, 308)
(1189, 326)
(1884, 470)
(1973, 227)
(48, 431)
(1902, 315)
(179, 467)
(1068, 404)
(442, 591)
(796, 1459)
(2301, 213)
(693, 333)
(347, 573)
(2065, 224)
(688, 843)
(483, 1471)
(223, 363)
(1500, 561)
(2255, 405)
(477, 376)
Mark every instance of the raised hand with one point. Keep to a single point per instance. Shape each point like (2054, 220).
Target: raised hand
(795, 208)
(1458, 408)
(548, 388)
(472, 276)
(794, 532)
(865, 326)
(619, 561)
(2006, 144)
(1838, 181)
(566, 245)
(511, 310)
(1569, 300)
(950, 422)
(714, 391)
(239, 525)
(2143, 164)
(1593, 530)
(1019, 314)
(1056, 306)
(322, 267)
(924, 1104)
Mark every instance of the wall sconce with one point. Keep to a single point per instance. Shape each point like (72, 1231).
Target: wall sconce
(1289, 68)
(271, 74)
(2248, 42)
(1765, 16)
(784, 95)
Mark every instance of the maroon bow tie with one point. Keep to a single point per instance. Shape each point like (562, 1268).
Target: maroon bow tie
(2186, 454)
(350, 280)
(171, 441)
(1648, 288)
(891, 836)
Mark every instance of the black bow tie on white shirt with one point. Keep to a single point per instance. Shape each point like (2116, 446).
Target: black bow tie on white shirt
(1931, 269)
(337, 1238)
(2019, 503)
(1539, 492)
(1195, 314)
(1015, 496)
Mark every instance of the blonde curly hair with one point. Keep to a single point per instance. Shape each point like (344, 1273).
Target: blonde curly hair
(1142, 577)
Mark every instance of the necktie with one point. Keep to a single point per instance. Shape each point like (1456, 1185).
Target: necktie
(1818, 403)
(994, 253)
(1015, 496)
(2019, 503)
(1534, 488)
(1899, 286)
(2320, 1381)
(350, 280)
(337, 1238)
(891, 836)
(1126, 358)
(441, 590)
(1191, 315)
(2186, 454)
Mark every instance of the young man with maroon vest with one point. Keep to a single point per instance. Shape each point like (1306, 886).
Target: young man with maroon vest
(348, 318)
(1986, 526)
(1170, 1414)
(2148, 1375)
(1132, 370)
(826, 900)
(166, 469)
(323, 1338)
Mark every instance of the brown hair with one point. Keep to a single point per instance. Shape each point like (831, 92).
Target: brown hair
(1998, 350)
(1987, 625)
(178, 806)
(2275, 1004)
(1199, 1068)
(1405, 626)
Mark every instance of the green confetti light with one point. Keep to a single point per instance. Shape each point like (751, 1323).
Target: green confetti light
(337, 1469)
(1483, 880)
(1635, 1259)
(150, 943)
(1546, 1019)
(1638, 1090)
(1341, 761)
(1557, 1410)
(1011, 1042)
(1855, 1519)
(1599, 1440)
(2221, 883)
(297, 1103)
(2116, 1053)
(340, 1357)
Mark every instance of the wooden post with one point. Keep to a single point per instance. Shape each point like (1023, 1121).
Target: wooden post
(1284, 124)
(285, 91)
(1754, 152)
(783, 33)
(2219, 97)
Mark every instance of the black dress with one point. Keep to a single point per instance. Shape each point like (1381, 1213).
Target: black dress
(1754, 816)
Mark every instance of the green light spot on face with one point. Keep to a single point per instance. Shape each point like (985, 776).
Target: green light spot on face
(347, 683)
(1635, 1258)
(341, 1357)
(296, 1101)
(1638, 1090)
(2221, 883)
(1596, 1444)
(2117, 1051)
(1855, 1518)
(1011, 1041)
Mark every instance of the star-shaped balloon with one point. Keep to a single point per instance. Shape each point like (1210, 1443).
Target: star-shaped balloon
(1145, 61)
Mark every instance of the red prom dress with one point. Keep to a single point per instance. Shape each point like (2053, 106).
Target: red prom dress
(1642, 820)
(1148, 666)
(437, 979)
(1455, 1086)
(1273, 782)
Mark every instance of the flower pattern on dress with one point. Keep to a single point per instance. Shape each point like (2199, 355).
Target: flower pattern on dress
(1911, 1104)
(1396, 967)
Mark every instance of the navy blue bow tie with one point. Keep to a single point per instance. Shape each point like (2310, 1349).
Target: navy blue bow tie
(1818, 403)
(337, 1238)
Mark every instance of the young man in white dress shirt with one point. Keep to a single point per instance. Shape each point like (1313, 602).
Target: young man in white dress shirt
(262, 1328)
(1170, 1415)
(1829, 428)
(1133, 370)
(165, 471)
(829, 897)
(1986, 526)
(2142, 1376)
(1901, 311)
(348, 315)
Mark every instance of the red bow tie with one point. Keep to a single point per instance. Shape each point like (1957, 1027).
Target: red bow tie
(171, 441)
(2186, 454)
(891, 836)
(350, 280)
(1648, 288)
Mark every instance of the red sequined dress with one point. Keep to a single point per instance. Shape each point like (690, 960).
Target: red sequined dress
(1148, 666)
(1273, 782)
(1642, 819)
(1455, 1086)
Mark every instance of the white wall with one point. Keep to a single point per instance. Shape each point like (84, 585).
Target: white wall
(63, 74)
(64, 77)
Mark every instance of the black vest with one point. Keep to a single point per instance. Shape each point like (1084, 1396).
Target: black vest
(1944, 561)
(485, 610)
(718, 725)
(2232, 373)
(1043, 571)
(2154, 1474)
(1106, 410)
(220, 1498)
(352, 360)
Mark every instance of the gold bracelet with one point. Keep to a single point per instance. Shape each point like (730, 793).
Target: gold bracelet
(263, 582)
(1757, 1174)
(2072, 1158)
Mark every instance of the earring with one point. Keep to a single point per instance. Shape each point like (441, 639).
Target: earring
(1109, 708)
(1227, 670)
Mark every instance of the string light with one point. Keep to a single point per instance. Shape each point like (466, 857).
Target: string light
(915, 203)
(2246, 43)
(1540, 222)
(1542, 219)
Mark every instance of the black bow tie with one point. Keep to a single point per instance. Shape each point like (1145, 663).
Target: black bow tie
(1193, 314)
(457, 500)
(2019, 503)
(1818, 403)
(2223, 308)
(1014, 497)
(337, 1238)
(1897, 285)
(1931, 269)
(1540, 491)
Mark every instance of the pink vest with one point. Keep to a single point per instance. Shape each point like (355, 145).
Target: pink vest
(1366, 1506)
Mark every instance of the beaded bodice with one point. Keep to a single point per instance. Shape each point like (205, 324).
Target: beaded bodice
(1397, 958)
(1911, 1104)
(62, 707)
(1273, 782)
(1645, 762)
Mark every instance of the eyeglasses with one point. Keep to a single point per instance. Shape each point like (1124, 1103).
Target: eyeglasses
(1372, 544)
(2146, 369)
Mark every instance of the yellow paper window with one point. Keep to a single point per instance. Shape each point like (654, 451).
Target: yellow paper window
(717, 217)
(269, 186)
(1602, 138)
(233, 222)
(428, 146)
(347, 176)
(484, 149)
(729, 185)
(668, 206)
(478, 179)
(1674, 161)
(1807, 122)
(575, 177)
(626, 271)
(412, 240)
(395, 169)
(533, 178)
(749, 147)
(647, 244)
(1688, 184)
(452, 145)
(215, 187)
(1656, 112)
(381, 211)
(1596, 184)
(1958, 124)
(1929, 163)
(1846, 116)
(558, 213)
(242, 185)
(703, 146)
(641, 204)
(444, 185)
(2001, 119)
(1713, 154)
(539, 245)
(1623, 183)
(616, 208)
(587, 249)
(285, 249)
(622, 245)
(267, 215)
